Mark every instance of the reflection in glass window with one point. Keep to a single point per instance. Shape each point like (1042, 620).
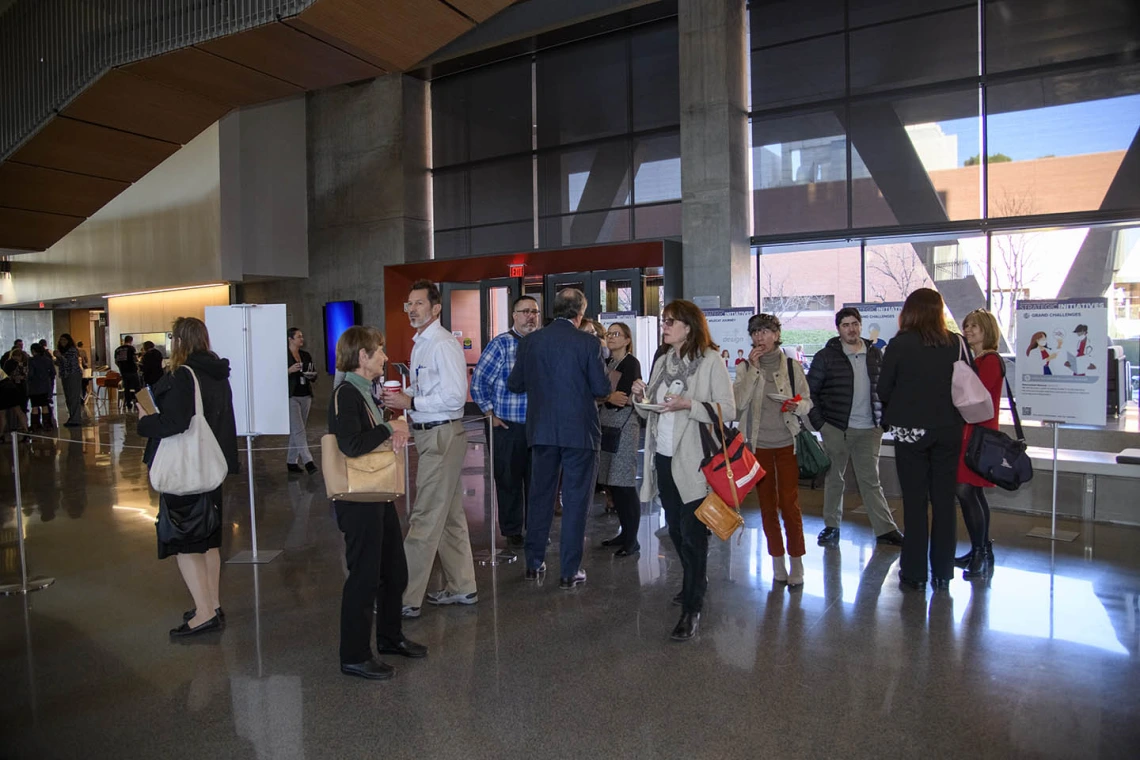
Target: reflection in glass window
(799, 173)
(804, 288)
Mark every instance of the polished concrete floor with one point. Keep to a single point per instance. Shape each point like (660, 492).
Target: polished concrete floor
(1042, 662)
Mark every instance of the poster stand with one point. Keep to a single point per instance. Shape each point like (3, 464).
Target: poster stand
(253, 556)
(1053, 534)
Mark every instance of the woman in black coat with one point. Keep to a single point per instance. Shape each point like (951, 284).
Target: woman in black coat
(914, 386)
(373, 540)
(198, 560)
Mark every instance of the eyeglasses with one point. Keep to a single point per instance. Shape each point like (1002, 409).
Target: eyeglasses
(528, 312)
(615, 334)
(669, 321)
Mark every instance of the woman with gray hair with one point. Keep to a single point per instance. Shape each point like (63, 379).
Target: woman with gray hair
(771, 402)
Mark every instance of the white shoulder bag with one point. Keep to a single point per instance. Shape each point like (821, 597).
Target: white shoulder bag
(974, 402)
(190, 462)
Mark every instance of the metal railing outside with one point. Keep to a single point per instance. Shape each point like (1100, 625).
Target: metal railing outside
(51, 50)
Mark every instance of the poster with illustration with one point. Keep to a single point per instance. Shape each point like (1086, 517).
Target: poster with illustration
(729, 330)
(1061, 353)
(880, 321)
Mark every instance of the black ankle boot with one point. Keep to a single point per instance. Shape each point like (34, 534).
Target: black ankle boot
(979, 566)
(963, 561)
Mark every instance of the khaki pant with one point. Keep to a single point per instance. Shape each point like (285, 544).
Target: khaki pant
(862, 448)
(437, 523)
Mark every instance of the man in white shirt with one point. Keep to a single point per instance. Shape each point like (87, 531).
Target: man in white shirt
(434, 400)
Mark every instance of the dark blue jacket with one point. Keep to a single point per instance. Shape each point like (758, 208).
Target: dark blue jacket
(832, 384)
(561, 370)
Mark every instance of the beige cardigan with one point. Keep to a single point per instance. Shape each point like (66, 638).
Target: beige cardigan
(750, 389)
(709, 383)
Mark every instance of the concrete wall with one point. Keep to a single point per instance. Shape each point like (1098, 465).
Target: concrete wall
(264, 201)
(163, 231)
(368, 148)
(26, 324)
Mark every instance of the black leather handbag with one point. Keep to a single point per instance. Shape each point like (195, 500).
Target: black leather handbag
(998, 458)
(185, 519)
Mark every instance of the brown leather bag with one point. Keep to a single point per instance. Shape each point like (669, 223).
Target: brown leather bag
(720, 518)
(375, 476)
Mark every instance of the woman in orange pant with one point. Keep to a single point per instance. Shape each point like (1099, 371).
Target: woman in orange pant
(766, 396)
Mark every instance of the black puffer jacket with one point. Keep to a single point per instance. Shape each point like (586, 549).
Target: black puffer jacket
(174, 396)
(832, 383)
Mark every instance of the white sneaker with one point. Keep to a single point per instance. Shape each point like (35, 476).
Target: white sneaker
(779, 572)
(410, 612)
(444, 596)
(796, 573)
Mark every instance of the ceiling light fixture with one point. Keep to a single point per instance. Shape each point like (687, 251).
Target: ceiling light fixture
(167, 290)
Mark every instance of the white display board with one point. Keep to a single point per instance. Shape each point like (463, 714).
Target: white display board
(1062, 352)
(880, 320)
(253, 338)
(729, 330)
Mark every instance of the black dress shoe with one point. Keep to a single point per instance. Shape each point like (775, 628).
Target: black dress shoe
(939, 584)
(678, 598)
(963, 560)
(576, 579)
(515, 541)
(828, 536)
(370, 669)
(533, 573)
(615, 541)
(294, 468)
(404, 647)
(628, 551)
(911, 583)
(186, 616)
(686, 627)
(894, 538)
(311, 468)
(213, 624)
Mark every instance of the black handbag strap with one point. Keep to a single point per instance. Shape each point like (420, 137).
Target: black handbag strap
(792, 380)
(1012, 403)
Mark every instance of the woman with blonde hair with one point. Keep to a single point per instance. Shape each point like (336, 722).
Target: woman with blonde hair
(981, 331)
(192, 365)
(690, 374)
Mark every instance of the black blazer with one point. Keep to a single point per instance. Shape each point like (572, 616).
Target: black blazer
(560, 369)
(174, 396)
(295, 387)
(350, 422)
(914, 384)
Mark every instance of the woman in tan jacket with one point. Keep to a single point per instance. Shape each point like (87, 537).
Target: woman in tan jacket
(769, 416)
(690, 373)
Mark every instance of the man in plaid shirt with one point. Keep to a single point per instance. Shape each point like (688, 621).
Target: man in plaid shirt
(508, 417)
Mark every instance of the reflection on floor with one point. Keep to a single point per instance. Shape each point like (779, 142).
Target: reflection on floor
(1042, 662)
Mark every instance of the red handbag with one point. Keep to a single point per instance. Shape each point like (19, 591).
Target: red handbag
(729, 465)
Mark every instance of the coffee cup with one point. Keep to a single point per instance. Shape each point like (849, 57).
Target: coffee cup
(392, 386)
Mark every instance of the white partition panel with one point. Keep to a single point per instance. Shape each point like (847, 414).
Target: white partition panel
(252, 337)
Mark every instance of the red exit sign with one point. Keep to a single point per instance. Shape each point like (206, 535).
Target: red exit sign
(517, 270)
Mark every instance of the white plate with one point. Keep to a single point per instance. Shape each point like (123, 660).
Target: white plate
(649, 407)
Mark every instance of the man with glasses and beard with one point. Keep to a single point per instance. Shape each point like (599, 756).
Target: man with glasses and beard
(508, 417)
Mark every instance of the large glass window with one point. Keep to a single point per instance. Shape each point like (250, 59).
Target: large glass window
(589, 150)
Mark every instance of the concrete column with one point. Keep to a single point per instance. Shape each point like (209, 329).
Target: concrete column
(369, 201)
(715, 192)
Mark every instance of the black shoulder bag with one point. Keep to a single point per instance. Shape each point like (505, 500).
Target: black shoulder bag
(995, 456)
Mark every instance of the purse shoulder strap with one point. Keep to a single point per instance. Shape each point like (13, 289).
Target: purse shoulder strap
(1012, 403)
(198, 408)
(336, 403)
(727, 457)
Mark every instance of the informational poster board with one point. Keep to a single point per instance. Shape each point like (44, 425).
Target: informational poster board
(729, 330)
(880, 320)
(253, 338)
(1062, 350)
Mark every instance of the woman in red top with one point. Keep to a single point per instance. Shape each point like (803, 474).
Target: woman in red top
(981, 331)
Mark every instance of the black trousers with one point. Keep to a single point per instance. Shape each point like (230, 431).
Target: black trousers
(377, 572)
(928, 473)
(628, 506)
(512, 476)
(690, 536)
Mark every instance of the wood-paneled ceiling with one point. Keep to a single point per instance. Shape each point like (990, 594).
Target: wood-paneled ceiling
(134, 117)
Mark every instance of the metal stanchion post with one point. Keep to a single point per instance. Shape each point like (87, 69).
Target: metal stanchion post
(491, 557)
(252, 557)
(26, 585)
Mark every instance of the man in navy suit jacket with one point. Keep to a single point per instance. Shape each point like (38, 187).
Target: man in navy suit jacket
(561, 370)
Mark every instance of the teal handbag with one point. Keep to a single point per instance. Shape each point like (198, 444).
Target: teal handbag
(810, 456)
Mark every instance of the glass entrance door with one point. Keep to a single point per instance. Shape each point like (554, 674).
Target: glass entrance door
(611, 290)
(497, 296)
